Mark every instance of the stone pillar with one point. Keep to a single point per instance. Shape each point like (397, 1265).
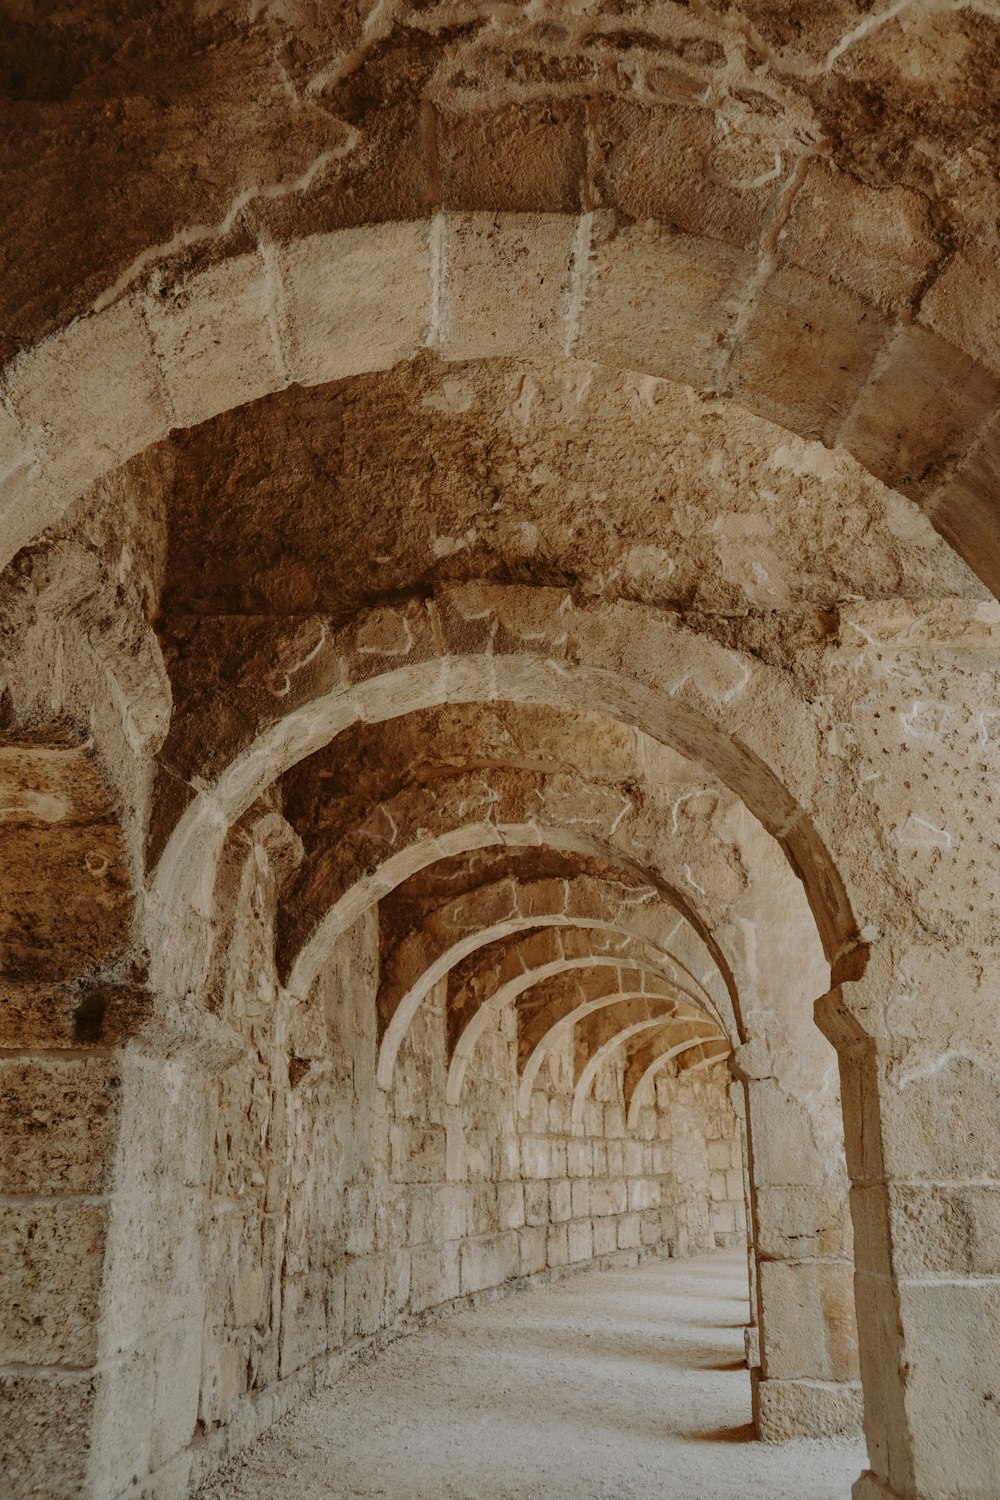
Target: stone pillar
(751, 1335)
(806, 1383)
(921, 1091)
(61, 1092)
(102, 1211)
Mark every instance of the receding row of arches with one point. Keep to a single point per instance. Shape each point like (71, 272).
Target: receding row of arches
(359, 897)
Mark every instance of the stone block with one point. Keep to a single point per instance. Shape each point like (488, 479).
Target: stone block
(806, 353)
(223, 1378)
(303, 1318)
(506, 285)
(483, 1208)
(123, 1416)
(799, 1221)
(419, 1151)
(177, 1380)
(557, 1251)
(397, 1284)
(649, 1227)
(634, 1158)
(27, 503)
(944, 1125)
(941, 1230)
(51, 1269)
(964, 511)
(46, 1427)
(579, 1240)
(452, 1211)
(784, 1409)
(723, 1218)
(510, 1205)
(335, 1300)
(364, 1295)
(356, 299)
(609, 1197)
(920, 413)
(536, 1203)
(90, 396)
(434, 1276)
(58, 1122)
(605, 1236)
(785, 1153)
(580, 1199)
(489, 1261)
(963, 306)
(525, 158)
(952, 1344)
(643, 1192)
(533, 1249)
(629, 1232)
(535, 1156)
(718, 1155)
(661, 303)
(560, 1200)
(879, 242)
(579, 1157)
(248, 1293)
(808, 1319)
(869, 1487)
(539, 1112)
(671, 163)
(359, 1212)
(216, 338)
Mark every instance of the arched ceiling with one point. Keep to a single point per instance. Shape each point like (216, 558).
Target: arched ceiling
(297, 114)
(790, 207)
(513, 405)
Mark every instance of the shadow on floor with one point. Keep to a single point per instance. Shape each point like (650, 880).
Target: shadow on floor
(743, 1434)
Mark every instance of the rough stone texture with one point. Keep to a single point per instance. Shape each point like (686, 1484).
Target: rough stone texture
(497, 515)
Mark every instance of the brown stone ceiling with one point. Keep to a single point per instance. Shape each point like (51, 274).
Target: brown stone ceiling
(316, 116)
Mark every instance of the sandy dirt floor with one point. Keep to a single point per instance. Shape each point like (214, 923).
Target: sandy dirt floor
(623, 1384)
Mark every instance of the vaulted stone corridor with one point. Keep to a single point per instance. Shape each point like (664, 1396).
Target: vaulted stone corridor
(499, 726)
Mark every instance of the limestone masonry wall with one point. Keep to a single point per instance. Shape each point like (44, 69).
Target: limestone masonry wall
(335, 1213)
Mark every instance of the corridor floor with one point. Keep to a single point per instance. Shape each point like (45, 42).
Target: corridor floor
(611, 1385)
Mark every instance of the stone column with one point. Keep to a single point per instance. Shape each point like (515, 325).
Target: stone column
(806, 1383)
(61, 1093)
(103, 1131)
(921, 1091)
(751, 1336)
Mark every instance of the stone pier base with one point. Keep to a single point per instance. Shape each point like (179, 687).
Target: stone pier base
(868, 1487)
(805, 1408)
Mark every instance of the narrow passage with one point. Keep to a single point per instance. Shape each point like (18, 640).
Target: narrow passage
(609, 1384)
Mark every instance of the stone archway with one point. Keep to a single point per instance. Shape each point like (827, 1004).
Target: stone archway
(481, 195)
